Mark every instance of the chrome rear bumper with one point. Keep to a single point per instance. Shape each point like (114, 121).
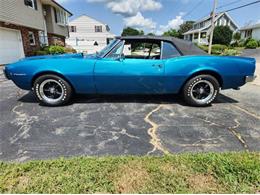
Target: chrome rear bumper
(250, 78)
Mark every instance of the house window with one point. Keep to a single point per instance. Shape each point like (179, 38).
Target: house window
(248, 33)
(61, 17)
(31, 38)
(73, 29)
(98, 28)
(196, 35)
(31, 3)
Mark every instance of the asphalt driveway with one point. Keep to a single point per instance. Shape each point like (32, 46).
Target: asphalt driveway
(126, 125)
(255, 53)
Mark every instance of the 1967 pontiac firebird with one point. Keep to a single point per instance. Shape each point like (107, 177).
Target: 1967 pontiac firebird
(133, 65)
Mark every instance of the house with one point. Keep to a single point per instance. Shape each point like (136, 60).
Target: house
(25, 25)
(201, 29)
(251, 31)
(88, 35)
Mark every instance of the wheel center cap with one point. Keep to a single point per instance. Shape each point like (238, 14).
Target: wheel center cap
(201, 91)
(52, 90)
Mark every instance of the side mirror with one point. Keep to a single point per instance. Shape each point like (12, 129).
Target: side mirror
(122, 56)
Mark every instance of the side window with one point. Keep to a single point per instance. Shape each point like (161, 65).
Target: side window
(169, 51)
(142, 50)
(31, 38)
(116, 52)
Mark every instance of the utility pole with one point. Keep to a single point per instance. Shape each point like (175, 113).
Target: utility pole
(212, 25)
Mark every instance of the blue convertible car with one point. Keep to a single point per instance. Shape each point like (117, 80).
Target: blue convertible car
(133, 65)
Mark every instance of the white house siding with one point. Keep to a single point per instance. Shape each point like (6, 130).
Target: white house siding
(85, 36)
(15, 12)
(256, 33)
(52, 26)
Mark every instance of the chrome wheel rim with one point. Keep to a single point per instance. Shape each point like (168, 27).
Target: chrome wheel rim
(202, 91)
(51, 91)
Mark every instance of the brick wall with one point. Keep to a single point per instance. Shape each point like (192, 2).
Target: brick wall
(56, 39)
(29, 50)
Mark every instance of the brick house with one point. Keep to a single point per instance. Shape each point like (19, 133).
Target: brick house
(26, 25)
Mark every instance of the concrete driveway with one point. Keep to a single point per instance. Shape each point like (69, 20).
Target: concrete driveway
(126, 125)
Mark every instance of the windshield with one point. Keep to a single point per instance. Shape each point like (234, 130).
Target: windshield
(108, 48)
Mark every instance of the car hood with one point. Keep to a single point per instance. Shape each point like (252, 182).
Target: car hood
(58, 56)
(40, 60)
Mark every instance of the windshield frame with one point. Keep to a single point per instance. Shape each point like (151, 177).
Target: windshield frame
(108, 48)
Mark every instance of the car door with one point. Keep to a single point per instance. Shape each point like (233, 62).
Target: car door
(122, 75)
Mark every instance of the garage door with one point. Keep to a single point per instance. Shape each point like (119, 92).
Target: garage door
(11, 47)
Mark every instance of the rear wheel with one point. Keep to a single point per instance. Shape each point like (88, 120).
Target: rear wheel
(201, 90)
(52, 90)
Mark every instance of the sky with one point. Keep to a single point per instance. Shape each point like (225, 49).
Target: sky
(158, 16)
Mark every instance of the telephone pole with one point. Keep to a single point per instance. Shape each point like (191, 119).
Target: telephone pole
(212, 25)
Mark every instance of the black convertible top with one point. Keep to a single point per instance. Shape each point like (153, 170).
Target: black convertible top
(185, 47)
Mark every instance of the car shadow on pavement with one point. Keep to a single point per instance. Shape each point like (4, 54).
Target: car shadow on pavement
(153, 99)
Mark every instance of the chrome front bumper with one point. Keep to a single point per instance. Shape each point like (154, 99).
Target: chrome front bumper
(250, 78)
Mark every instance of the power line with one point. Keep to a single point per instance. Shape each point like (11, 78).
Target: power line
(242, 6)
(228, 4)
(198, 4)
(235, 8)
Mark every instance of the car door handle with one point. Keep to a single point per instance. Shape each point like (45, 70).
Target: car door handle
(158, 65)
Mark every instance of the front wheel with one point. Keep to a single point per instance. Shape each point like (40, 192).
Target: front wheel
(52, 90)
(201, 90)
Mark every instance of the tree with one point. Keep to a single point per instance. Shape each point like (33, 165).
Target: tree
(172, 33)
(222, 35)
(185, 27)
(129, 31)
(237, 36)
(151, 34)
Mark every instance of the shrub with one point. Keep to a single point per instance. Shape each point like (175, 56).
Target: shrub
(41, 53)
(237, 36)
(222, 35)
(218, 49)
(230, 52)
(70, 50)
(203, 47)
(46, 50)
(252, 44)
(241, 43)
(234, 44)
(56, 49)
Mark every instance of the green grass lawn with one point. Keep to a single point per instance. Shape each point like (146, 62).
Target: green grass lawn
(184, 173)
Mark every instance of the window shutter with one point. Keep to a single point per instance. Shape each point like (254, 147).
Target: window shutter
(35, 4)
(55, 15)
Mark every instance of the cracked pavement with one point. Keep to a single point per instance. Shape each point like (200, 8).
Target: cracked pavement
(126, 125)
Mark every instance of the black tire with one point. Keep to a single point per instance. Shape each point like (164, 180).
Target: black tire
(199, 86)
(52, 90)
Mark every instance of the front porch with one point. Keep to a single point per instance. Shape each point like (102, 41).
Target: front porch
(200, 37)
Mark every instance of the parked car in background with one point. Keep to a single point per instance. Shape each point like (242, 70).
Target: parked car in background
(133, 65)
